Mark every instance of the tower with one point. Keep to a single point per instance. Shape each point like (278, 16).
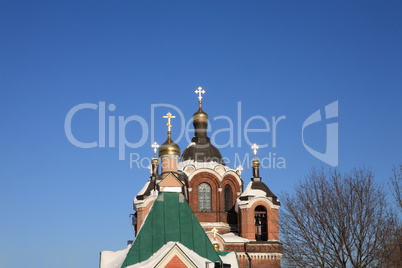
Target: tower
(213, 186)
(258, 211)
(199, 190)
(235, 220)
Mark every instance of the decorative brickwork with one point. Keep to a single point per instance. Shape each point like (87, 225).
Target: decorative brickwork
(259, 260)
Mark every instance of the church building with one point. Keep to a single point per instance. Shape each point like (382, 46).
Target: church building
(195, 211)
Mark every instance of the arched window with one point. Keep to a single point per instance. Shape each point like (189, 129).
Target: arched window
(204, 197)
(228, 198)
(260, 218)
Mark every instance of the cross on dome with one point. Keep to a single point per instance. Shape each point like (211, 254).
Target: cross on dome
(255, 147)
(214, 231)
(240, 169)
(199, 91)
(169, 116)
(155, 146)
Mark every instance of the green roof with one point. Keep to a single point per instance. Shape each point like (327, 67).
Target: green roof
(170, 219)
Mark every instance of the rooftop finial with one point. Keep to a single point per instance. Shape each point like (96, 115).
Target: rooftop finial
(255, 147)
(155, 161)
(169, 116)
(200, 91)
(214, 231)
(239, 169)
(169, 147)
(255, 163)
(155, 146)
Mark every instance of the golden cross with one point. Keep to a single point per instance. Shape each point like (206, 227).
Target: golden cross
(169, 116)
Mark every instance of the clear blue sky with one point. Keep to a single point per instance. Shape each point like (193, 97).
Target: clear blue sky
(277, 58)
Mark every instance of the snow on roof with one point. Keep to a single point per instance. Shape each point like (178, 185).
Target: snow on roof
(233, 238)
(253, 192)
(113, 259)
(153, 193)
(191, 144)
(230, 258)
(164, 250)
(141, 192)
(248, 192)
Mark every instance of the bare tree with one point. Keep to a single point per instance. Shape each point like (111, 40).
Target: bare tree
(396, 185)
(336, 220)
(393, 248)
(394, 244)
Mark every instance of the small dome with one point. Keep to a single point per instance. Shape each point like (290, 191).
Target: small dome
(201, 150)
(155, 161)
(200, 116)
(169, 147)
(255, 162)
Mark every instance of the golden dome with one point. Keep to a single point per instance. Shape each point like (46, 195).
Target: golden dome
(200, 116)
(169, 147)
(255, 162)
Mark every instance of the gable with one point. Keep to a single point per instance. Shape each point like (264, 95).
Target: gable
(174, 262)
(170, 181)
(170, 219)
(176, 259)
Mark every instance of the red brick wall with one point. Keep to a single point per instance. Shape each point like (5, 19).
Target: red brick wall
(244, 262)
(175, 262)
(141, 215)
(248, 228)
(218, 213)
(260, 263)
(247, 261)
(247, 225)
(273, 224)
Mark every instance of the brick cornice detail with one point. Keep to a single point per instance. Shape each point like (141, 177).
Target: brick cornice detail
(200, 173)
(253, 203)
(260, 256)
